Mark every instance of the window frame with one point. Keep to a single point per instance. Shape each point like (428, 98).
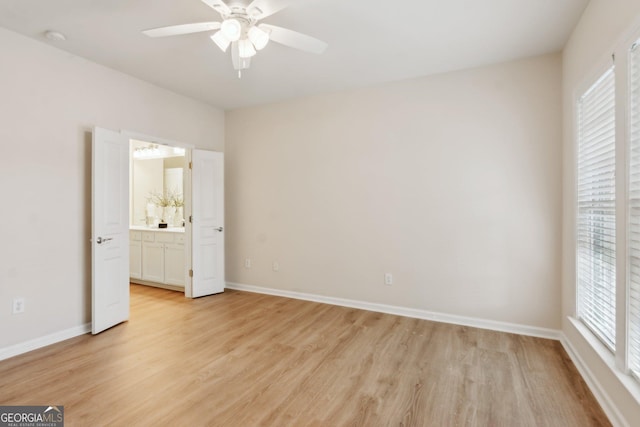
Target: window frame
(630, 44)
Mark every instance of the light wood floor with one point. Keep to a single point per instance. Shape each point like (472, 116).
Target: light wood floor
(242, 359)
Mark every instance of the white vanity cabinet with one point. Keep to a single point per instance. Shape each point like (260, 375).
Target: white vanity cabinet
(174, 264)
(135, 254)
(152, 259)
(161, 255)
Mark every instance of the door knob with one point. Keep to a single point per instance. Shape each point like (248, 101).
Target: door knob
(100, 240)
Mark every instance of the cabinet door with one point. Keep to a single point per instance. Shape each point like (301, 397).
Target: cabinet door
(174, 268)
(153, 262)
(135, 259)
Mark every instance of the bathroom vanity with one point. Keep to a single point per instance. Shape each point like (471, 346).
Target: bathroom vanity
(157, 257)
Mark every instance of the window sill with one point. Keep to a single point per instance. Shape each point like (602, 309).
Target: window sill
(626, 380)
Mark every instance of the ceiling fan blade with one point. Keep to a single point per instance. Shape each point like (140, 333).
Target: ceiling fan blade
(219, 6)
(260, 9)
(294, 39)
(175, 30)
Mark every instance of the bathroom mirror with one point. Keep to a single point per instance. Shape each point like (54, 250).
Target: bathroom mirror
(156, 174)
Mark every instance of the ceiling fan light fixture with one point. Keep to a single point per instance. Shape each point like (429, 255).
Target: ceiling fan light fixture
(245, 49)
(232, 29)
(241, 32)
(258, 37)
(221, 40)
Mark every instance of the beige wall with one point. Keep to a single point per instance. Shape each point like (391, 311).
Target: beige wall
(174, 162)
(603, 25)
(449, 182)
(49, 102)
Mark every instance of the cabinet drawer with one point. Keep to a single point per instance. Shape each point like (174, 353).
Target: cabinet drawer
(164, 237)
(148, 237)
(179, 238)
(135, 236)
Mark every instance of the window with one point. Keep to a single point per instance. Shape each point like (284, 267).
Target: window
(634, 212)
(596, 187)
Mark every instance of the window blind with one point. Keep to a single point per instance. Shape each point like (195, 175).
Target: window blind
(634, 212)
(596, 240)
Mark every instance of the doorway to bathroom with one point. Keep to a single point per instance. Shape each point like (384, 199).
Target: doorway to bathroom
(160, 249)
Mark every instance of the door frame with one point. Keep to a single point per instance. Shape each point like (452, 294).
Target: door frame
(188, 286)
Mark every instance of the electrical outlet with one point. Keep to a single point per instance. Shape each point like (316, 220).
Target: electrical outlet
(276, 266)
(247, 263)
(388, 279)
(18, 305)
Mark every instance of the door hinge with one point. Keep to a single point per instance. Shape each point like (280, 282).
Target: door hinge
(190, 218)
(190, 273)
(190, 165)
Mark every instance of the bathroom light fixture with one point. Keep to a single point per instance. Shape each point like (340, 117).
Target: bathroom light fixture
(148, 152)
(157, 151)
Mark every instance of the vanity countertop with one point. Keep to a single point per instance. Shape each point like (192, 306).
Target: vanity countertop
(156, 229)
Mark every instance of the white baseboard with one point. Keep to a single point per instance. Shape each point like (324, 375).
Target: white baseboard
(24, 347)
(513, 328)
(609, 396)
(608, 405)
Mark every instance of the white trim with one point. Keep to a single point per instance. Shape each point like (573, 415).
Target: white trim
(187, 196)
(474, 322)
(36, 343)
(154, 139)
(604, 399)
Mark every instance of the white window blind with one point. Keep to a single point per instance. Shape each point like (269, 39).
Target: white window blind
(596, 241)
(634, 212)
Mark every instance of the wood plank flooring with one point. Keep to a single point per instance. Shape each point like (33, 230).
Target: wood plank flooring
(243, 359)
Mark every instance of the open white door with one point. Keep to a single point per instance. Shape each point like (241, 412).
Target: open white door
(109, 230)
(207, 189)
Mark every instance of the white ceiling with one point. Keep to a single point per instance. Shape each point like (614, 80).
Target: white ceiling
(370, 41)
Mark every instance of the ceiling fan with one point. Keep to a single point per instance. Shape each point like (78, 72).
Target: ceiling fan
(240, 30)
